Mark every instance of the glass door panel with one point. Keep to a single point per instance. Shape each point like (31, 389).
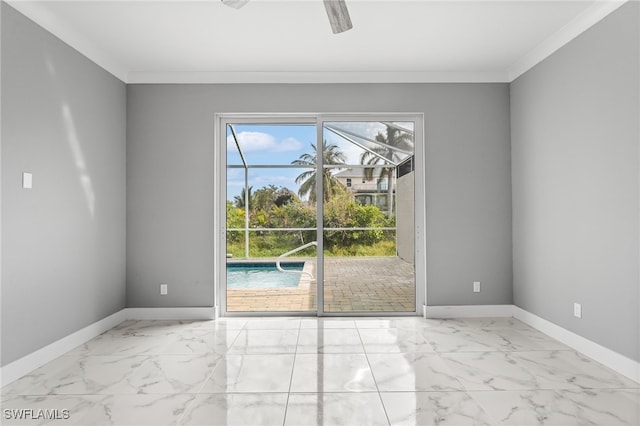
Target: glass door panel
(368, 217)
(357, 175)
(271, 219)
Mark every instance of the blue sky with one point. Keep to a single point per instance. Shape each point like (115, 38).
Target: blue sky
(270, 144)
(280, 145)
(267, 144)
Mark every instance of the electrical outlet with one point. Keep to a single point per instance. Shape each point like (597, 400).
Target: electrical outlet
(27, 180)
(163, 289)
(577, 310)
(476, 286)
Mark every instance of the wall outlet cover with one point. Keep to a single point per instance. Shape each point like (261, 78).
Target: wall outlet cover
(27, 180)
(577, 310)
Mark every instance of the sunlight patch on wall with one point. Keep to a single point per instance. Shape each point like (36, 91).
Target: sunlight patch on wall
(78, 157)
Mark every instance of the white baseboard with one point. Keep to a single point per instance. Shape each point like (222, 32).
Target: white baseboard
(469, 311)
(28, 363)
(605, 356)
(206, 313)
(617, 362)
(613, 360)
(20, 367)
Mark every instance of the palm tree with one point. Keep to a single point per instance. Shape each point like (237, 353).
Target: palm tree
(239, 200)
(394, 138)
(331, 155)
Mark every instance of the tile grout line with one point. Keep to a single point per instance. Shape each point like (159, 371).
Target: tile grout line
(499, 349)
(209, 376)
(366, 355)
(293, 367)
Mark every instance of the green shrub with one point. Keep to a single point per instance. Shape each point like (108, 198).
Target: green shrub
(279, 208)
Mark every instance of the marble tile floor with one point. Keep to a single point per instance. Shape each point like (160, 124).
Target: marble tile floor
(323, 371)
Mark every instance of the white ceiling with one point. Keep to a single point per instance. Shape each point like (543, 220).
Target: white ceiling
(291, 41)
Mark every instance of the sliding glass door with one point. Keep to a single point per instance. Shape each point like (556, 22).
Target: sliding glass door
(270, 218)
(368, 205)
(319, 215)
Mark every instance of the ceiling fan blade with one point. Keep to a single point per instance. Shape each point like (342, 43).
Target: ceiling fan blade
(338, 15)
(236, 4)
(336, 11)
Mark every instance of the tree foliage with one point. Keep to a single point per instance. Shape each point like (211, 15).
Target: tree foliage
(331, 155)
(278, 208)
(240, 200)
(344, 212)
(235, 219)
(272, 207)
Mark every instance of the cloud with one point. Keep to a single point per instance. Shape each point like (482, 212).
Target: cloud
(239, 183)
(351, 151)
(258, 141)
(291, 144)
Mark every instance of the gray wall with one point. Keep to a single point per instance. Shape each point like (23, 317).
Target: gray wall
(575, 167)
(170, 198)
(63, 242)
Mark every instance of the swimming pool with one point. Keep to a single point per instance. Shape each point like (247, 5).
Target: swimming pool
(262, 275)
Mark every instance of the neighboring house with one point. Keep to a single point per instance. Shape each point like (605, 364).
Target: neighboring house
(372, 191)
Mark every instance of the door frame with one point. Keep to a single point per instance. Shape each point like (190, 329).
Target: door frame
(317, 119)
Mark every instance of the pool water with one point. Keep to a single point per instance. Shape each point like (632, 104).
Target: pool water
(262, 275)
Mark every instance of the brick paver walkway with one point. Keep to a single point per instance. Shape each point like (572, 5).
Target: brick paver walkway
(360, 284)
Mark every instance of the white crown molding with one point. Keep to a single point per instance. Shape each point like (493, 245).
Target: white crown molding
(573, 29)
(77, 41)
(82, 44)
(301, 77)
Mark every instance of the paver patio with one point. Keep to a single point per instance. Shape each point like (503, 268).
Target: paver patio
(355, 284)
